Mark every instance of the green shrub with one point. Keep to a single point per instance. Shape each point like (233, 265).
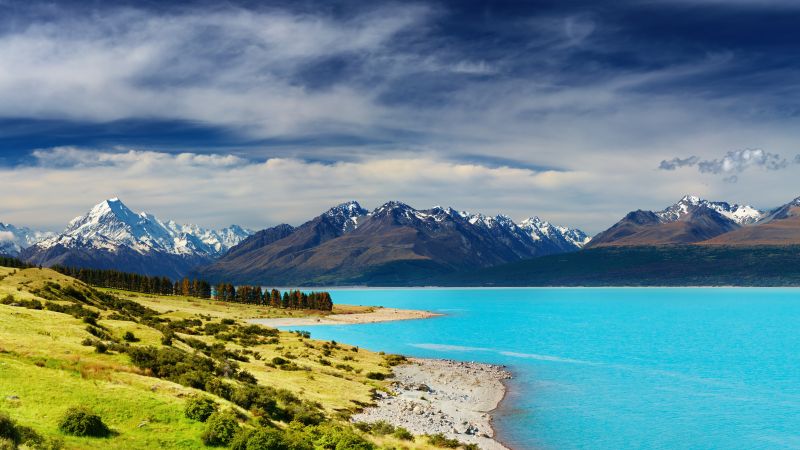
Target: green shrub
(382, 428)
(376, 376)
(130, 337)
(403, 434)
(259, 439)
(219, 388)
(30, 439)
(440, 440)
(200, 408)
(100, 347)
(306, 413)
(339, 438)
(395, 360)
(220, 429)
(8, 429)
(79, 421)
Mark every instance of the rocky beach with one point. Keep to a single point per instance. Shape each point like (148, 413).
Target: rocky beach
(430, 396)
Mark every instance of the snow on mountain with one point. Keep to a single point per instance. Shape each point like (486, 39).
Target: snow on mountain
(740, 214)
(346, 215)
(110, 225)
(543, 230)
(14, 239)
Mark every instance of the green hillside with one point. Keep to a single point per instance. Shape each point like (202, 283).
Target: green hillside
(136, 360)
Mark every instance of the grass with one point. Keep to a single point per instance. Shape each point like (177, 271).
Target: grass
(45, 369)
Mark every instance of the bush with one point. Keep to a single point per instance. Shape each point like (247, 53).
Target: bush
(130, 337)
(166, 339)
(339, 438)
(395, 360)
(220, 429)
(382, 428)
(200, 408)
(440, 440)
(376, 376)
(403, 434)
(259, 439)
(8, 429)
(306, 413)
(100, 347)
(79, 421)
(219, 388)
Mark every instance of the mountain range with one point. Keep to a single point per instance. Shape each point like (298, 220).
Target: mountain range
(693, 220)
(346, 244)
(14, 239)
(392, 243)
(112, 236)
(396, 244)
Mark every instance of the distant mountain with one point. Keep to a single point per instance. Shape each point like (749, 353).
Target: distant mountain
(395, 242)
(14, 239)
(690, 220)
(780, 226)
(110, 235)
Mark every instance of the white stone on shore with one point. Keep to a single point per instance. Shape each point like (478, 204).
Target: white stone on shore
(441, 396)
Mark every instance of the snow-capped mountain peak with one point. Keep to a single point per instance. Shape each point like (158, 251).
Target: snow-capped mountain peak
(740, 214)
(543, 230)
(111, 225)
(14, 239)
(345, 215)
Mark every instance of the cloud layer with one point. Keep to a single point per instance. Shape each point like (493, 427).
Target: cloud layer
(561, 109)
(217, 189)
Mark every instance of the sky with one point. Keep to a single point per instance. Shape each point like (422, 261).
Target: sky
(259, 113)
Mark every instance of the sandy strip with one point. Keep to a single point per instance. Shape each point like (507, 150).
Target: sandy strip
(377, 315)
(440, 396)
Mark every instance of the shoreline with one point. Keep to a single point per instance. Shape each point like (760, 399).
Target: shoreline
(377, 315)
(451, 397)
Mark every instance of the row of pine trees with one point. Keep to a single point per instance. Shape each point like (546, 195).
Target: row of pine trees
(288, 299)
(225, 292)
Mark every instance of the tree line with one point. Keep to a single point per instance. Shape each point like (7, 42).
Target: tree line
(8, 261)
(254, 295)
(225, 292)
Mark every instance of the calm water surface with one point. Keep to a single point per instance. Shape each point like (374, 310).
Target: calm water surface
(614, 368)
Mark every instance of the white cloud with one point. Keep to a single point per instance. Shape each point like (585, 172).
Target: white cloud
(7, 236)
(219, 189)
(230, 67)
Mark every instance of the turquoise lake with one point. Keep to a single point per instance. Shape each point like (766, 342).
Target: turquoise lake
(613, 368)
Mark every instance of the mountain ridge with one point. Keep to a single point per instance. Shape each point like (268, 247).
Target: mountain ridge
(111, 235)
(349, 244)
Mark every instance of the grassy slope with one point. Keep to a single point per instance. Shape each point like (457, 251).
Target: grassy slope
(44, 369)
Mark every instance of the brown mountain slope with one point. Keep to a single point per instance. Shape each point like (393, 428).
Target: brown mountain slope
(643, 228)
(781, 227)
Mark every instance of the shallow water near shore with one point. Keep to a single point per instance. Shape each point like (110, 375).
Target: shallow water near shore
(613, 368)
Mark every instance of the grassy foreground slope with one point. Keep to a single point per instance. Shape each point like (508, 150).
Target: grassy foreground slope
(65, 344)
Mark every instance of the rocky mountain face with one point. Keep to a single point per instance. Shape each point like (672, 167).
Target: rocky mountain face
(15, 239)
(395, 242)
(690, 220)
(110, 235)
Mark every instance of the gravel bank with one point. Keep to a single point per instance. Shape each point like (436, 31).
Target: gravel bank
(441, 396)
